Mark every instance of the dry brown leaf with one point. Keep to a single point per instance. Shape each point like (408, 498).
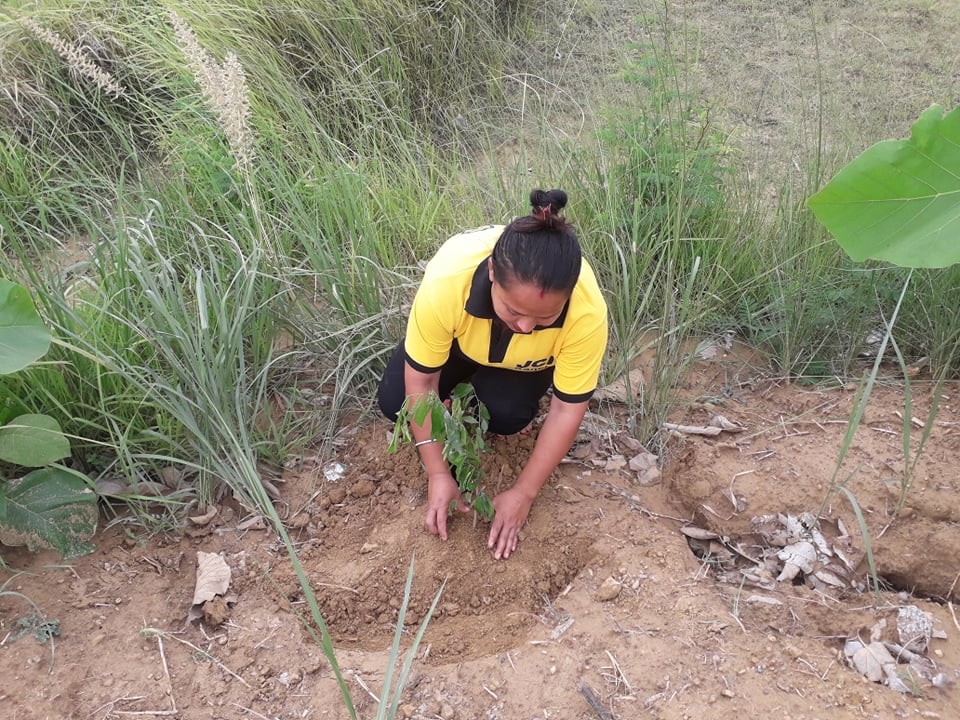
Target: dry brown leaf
(213, 577)
(206, 517)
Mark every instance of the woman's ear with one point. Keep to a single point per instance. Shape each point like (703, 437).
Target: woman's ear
(490, 268)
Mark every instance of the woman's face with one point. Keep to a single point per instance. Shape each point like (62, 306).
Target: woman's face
(523, 306)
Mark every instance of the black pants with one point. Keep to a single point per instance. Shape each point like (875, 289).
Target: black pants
(512, 397)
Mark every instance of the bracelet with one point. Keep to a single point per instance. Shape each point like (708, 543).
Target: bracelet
(419, 443)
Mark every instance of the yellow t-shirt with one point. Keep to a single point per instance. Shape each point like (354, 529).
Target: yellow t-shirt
(453, 304)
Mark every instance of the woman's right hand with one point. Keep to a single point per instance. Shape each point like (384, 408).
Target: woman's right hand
(442, 490)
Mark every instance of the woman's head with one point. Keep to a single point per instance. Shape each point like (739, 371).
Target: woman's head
(535, 264)
(540, 248)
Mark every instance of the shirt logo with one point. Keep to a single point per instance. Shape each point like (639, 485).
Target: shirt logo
(534, 365)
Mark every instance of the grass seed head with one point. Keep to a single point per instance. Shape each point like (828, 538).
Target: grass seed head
(76, 60)
(225, 88)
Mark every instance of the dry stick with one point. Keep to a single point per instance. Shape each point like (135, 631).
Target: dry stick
(361, 683)
(168, 689)
(950, 602)
(594, 702)
(156, 631)
(248, 710)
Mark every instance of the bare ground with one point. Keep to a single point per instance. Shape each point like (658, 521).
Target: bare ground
(605, 592)
(605, 597)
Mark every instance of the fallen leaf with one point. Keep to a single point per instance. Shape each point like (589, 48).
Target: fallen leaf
(869, 661)
(721, 422)
(618, 390)
(213, 577)
(650, 477)
(206, 517)
(617, 462)
(643, 461)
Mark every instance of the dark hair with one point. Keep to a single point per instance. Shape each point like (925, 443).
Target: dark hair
(539, 248)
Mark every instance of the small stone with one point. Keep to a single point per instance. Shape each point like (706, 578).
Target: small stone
(337, 495)
(369, 548)
(727, 693)
(609, 590)
(447, 712)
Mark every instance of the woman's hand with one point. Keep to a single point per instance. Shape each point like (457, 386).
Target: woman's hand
(442, 490)
(512, 507)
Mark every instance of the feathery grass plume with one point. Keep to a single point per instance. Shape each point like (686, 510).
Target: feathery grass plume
(225, 88)
(75, 59)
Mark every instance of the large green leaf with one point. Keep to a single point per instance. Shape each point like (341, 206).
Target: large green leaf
(23, 336)
(49, 509)
(33, 441)
(899, 201)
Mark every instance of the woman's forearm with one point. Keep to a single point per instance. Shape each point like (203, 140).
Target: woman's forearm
(418, 386)
(556, 436)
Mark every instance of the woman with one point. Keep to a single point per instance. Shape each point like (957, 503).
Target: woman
(513, 310)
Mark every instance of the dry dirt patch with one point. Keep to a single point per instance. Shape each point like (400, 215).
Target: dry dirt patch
(603, 592)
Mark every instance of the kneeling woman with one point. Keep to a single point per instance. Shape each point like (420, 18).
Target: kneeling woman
(513, 310)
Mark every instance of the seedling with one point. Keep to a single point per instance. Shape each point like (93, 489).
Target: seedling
(461, 428)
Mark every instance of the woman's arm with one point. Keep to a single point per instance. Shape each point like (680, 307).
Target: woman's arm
(442, 489)
(556, 436)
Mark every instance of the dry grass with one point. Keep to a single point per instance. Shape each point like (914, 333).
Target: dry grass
(224, 86)
(76, 60)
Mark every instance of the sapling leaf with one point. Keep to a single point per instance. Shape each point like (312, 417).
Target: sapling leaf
(899, 201)
(461, 428)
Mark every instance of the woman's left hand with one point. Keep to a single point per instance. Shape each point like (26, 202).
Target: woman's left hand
(512, 507)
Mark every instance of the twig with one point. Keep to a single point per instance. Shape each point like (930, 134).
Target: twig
(594, 702)
(813, 667)
(157, 632)
(337, 587)
(361, 683)
(637, 506)
(248, 710)
(144, 712)
(168, 689)
(166, 674)
(618, 673)
(953, 615)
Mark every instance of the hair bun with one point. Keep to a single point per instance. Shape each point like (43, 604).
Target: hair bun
(555, 199)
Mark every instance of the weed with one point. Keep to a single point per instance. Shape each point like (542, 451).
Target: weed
(36, 625)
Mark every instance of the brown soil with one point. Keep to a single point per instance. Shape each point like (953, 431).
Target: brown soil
(604, 594)
(604, 590)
